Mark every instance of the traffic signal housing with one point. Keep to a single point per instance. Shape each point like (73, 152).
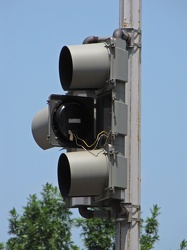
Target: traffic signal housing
(84, 66)
(71, 118)
(90, 121)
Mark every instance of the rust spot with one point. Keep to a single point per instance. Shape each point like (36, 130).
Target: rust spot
(125, 24)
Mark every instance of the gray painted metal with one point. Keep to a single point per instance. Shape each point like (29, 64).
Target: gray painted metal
(83, 173)
(128, 232)
(40, 128)
(119, 70)
(121, 115)
(117, 162)
(104, 177)
(91, 72)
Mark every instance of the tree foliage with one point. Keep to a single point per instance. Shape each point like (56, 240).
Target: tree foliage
(183, 245)
(1, 246)
(44, 224)
(149, 229)
(98, 234)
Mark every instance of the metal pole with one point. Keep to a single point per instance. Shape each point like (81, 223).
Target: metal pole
(128, 231)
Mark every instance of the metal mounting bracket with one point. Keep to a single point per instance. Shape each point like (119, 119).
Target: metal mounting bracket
(134, 33)
(131, 213)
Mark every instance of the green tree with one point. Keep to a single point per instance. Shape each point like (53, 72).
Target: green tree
(1, 246)
(98, 234)
(44, 224)
(183, 245)
(149, 229)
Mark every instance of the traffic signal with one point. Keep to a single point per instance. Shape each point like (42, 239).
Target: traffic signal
(67, 119)
(90, 121)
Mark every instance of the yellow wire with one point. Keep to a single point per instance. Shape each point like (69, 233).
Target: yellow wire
(89, 146)
(102, 149)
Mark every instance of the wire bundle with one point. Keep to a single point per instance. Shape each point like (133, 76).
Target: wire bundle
(83, 144)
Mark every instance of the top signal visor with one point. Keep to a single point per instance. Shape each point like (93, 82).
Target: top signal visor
(85, 66)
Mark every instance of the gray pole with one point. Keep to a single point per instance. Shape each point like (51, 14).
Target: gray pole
(128, 231)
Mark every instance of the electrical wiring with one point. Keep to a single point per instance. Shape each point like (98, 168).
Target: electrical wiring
(102, 133)
(89, 151)
(94, 145)
(99, 139)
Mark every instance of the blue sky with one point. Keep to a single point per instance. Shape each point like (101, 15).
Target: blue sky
(32, 34)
